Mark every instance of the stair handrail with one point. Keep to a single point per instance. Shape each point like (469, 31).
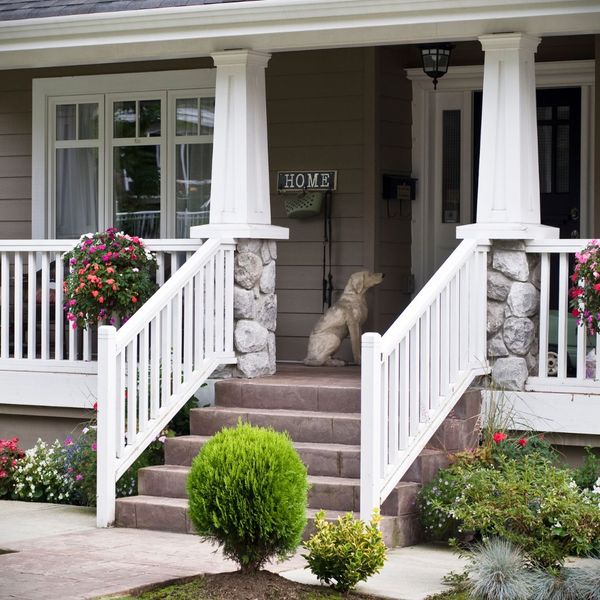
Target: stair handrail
(413, 375)
(155, 362)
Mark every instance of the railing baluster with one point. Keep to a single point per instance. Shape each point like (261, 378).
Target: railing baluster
(177, 340)
(132, 373)
(563, 289)
(166, 362)
(384, 459)
(45, 304)
(160, 268)
(31, 305)
(544, 313)
(18, 328)
(219, 308)
(188, 330)
(209, 307)
(424, 367)
(435, 355)
(581, 351)
(463, 321)
(394, 392)
(143, 400)
(120, 404)
(454, 326)
(58, 306)
(404, 408)
(155, 367)
(229, 255)
(199, 318)
(445, 342)
(414, 379)
(597, 369)
(5, 306)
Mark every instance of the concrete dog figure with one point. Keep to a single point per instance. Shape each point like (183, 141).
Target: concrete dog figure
(345, 317)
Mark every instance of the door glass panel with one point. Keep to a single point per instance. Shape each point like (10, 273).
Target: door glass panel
(207, 116)
(66, 128)
(562, 159)
(88, 121)
(187, 116)
(545, 157)
(544, 113)
(124, 116)
(562, 112)
(136, 190)
(451, 166)
(149, 118)
(76, 192)
(193, 172)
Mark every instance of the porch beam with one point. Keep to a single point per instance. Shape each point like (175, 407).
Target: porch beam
(240, 199)
(508, 197)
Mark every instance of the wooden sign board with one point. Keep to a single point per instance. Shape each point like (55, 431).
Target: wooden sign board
(306, 181)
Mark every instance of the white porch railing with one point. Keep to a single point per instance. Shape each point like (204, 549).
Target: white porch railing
(34, 333)
(561, 340)
(415, 373)
(154, 363)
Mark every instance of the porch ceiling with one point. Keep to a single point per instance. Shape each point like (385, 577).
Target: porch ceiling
(278, 25)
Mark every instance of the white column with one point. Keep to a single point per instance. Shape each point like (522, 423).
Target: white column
(508, 198)
(240, 200)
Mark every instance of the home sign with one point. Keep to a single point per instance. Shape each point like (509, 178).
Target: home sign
(306, 181)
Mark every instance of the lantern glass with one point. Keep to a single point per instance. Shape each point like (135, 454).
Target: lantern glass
(436, 59)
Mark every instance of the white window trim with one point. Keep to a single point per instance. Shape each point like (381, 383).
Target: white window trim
(467, 79)
(194, 81)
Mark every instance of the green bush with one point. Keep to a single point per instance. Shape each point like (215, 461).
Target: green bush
(588, 474)
(532, 504)
(345, 552)
(248, 492)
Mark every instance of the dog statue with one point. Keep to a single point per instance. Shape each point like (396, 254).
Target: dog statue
(345, 317)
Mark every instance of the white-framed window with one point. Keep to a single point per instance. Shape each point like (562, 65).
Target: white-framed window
(132, 151)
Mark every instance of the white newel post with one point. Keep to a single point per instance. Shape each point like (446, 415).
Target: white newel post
(106, 432)
(370, 425)
(508, 198)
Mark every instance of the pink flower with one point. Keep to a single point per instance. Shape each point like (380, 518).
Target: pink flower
(499, 436)
(94, 447)
(3, 474)
(134, 299)
(78, 477)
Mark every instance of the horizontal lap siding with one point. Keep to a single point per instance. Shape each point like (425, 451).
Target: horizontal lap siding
(315, 108)
(393, 240)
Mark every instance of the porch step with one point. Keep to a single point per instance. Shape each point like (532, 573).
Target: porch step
(331, 493)
(339, 460)
(302, 425)
(172, 514)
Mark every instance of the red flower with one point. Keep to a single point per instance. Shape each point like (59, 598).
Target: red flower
(575, 312)
(522, 442)
(597, 287)
(499, 436)
(95, 407)
(133, 299)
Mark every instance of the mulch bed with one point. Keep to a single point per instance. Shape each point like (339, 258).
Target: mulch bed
(263, 585)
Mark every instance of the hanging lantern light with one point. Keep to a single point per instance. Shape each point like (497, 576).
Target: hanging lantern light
(436, 59)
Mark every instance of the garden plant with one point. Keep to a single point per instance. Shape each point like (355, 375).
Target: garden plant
(248, 493)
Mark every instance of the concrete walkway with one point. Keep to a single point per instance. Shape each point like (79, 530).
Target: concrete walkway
(58, 553)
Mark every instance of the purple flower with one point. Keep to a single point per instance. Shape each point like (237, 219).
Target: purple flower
(68, 441)
(78, 477)
(94, 447)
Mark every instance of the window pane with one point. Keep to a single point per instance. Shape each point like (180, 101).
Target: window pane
(451, 166)
(562, 159)
(545, 157)
(76, 191)
(65, 122)
(149, 118)
(207, 116)
(88, 121)
(193, 174)
(187, 116)
(137, 190)
(544, 113)
(124, 119)
(562, 112)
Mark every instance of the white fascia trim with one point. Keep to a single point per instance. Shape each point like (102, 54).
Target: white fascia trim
(264, 19)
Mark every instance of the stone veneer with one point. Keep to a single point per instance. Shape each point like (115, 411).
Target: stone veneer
(254, 308)
(512, 313)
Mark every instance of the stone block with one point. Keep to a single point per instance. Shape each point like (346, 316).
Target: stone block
(496, 346)
(510, 373)
(511, 263)
(249, 245)
(495, 316)
(498, 286)
(518, 334)
(267, 311)
(250, 336)
(255, 364)
(248, 269)
(267, 279)
(523, 300)
(243, 303)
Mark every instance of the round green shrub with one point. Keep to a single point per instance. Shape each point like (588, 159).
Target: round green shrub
(248, 493)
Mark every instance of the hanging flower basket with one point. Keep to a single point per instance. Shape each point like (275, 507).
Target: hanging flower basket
(111, 276)
(585, 293)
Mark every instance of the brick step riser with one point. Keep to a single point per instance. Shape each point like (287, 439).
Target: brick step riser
(233, 394)
(397, 532)
(326, 430)
(328, 495)
(331, 463)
